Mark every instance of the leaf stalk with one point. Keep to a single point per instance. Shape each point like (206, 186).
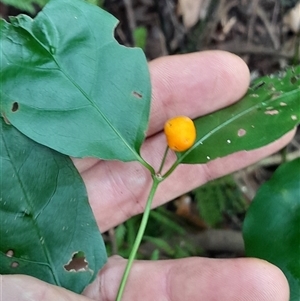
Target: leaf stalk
(156, 181)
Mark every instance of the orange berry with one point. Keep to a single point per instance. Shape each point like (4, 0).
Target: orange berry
(180, 132)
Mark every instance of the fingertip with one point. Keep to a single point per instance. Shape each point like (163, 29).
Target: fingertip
(269, 281)
(195, 84)
(233, 73)
(244, 279)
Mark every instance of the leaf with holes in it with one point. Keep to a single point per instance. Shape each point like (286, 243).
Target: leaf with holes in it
(66, 83)
(270, 109)
(47, 227)
(271, 228)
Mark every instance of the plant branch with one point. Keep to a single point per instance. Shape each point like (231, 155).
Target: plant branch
(163, 161)
(147, 165)
(171, 169)
(139, 237)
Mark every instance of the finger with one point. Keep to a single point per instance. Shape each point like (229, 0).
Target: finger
(192, 279)
(195, 84)
(191, 84)
(119, 190)
(191, 176)
(24, 288)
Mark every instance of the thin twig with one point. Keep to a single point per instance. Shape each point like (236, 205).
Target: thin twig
(241, 48)
(131, 19)
(254, 6)
(261, 13)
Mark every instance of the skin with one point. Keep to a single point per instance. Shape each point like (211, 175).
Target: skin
(192, 85)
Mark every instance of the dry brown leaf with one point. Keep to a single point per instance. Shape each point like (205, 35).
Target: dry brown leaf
(191, 11)
(292, 19)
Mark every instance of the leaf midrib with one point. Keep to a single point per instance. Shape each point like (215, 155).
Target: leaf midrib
(85, 95)
(234, 118)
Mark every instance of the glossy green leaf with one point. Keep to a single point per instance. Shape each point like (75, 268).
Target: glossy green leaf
(66, 83)
(270, 109)
(45, 218)
(272, 226)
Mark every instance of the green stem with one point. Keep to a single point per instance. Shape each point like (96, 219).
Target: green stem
(139, 237)
(171, 169)
(147, 165)
(163, 160)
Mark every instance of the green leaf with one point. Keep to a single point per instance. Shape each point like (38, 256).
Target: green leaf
(160, 243)
(45, 217)
(272, 226)
(219, 197)
(140, 36)
(167, 222)
(270, 109)
(66, 83)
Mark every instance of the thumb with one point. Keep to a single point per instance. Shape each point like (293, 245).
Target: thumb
(26, 288)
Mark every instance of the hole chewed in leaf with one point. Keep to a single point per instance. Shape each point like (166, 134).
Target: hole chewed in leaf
(258, 85)
(10, 253)
(14, 264)
(137, 95)
(77, 263)
(15, 107)
(241, 132)
(271, 112)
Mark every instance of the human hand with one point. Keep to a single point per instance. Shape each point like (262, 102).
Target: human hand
(192, 85)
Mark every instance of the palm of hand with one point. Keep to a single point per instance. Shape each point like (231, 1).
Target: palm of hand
(191, 85)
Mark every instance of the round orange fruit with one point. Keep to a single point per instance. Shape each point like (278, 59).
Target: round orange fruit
(180, 132)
